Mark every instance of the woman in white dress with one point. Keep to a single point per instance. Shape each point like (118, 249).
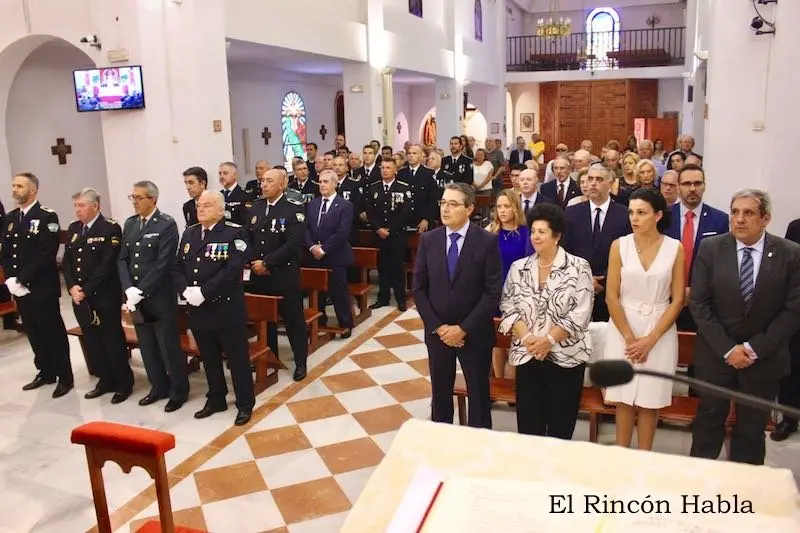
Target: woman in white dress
(644, 291)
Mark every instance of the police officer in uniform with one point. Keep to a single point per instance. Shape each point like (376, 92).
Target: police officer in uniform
(28, 257)
(389, 212)
(253, 187)
(196, 181)
(441, 178)
(351, 189)
(9, 320)
(276, 226)
(458, 163)
(90, 273)
(149, 241)
(208, 275)
(423, 189)
(308, 188)
(237, 201)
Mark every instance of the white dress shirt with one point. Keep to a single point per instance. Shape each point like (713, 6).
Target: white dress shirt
(26, 209)
(603, 211)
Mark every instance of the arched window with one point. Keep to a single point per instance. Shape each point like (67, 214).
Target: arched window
(293, 126)
(602, 29)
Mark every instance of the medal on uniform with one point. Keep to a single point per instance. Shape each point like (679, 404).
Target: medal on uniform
(283, 224)
(208, 250)
(272, 227)
(253, 220)
(225, 251)
(186, 248)
(34, 227)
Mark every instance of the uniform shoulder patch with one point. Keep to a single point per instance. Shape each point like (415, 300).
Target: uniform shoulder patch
(294, 201)
(53, 227)
(240, 245)
(232, 224)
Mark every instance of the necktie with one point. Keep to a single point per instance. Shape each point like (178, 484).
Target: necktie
(687, 240)
(746, 275)
(21, 217)
(385, 188)
(527, 205)
(561, 193)
(596, 226)
(269, 205)
(413, 172)
(85, 230)
(203, 232)
(324, 208)
(225, 193)
(452, 254)
(142, 221)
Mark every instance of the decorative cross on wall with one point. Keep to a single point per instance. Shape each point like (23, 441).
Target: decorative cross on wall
(61, 149)
(399, 128)
(266, 135)
(323, 131)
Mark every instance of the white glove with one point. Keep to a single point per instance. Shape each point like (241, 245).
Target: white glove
(194, 296)
(16, 288)
(133, 295)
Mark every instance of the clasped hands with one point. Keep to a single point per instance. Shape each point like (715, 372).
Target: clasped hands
(76, 293)
(133, 295)
(259, 268)
(638, 348)
(16, 288)
(194, 296)
(317, 252)
(452, 336)
(538, 347)
(740, 357)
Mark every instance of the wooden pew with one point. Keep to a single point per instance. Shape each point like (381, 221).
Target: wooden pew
(261, 310)
(412, 243)
(313, 281)
(366, 259)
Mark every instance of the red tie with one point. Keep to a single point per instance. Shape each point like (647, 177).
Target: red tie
(687, 240)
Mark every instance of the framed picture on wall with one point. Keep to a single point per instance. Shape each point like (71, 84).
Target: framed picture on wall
(526, 121)
(494, 128)
(415, 7)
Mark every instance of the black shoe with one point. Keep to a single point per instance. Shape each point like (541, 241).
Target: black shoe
(173, 405)
(120, 397)
(209, 410)
(38, 381)
(402, 308)
(378, 304)
(61, 389)
(783, 430)
(243, 417)
(300, 373)
(346, 335)
(151, 398)
(96, 392)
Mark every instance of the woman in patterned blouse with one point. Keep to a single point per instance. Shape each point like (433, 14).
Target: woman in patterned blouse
(546, 305)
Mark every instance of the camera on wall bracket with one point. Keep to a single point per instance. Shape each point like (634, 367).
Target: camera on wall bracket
(759, 24)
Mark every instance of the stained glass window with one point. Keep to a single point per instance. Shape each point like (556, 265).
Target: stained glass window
(602, 27)
(293, 126)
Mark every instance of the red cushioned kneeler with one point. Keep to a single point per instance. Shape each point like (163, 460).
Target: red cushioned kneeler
(128, 446)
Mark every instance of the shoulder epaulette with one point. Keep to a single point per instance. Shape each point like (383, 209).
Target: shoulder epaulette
(232, 224)
(353, 178)
(294, 201)
(374, 183)
(71, 222)
(193, 225)
(314, 182)
(132, 217)
(165, 216)
(47, 209)
(402, 183)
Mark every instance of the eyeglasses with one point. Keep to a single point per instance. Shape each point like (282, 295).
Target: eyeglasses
(451, 204)
(134, 198)
(561, 149)
(668, 185)
(695, 184)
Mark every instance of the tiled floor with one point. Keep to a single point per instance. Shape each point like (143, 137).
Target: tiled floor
(298, 467)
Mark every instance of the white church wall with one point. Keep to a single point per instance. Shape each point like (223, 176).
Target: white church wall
(402, 108)
(41, 107)
(670, 95)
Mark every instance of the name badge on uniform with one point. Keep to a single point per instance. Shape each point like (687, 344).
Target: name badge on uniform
(149, 235)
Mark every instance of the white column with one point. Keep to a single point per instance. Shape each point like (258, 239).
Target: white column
(363, 104)
(449, 111)
(181, 47)
(495, 112)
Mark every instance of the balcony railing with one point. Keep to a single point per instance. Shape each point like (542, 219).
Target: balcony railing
(597, 50)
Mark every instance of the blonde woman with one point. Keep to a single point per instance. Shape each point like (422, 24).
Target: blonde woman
(513, 238)
(645, 174)
(628, 183)
(583, 181)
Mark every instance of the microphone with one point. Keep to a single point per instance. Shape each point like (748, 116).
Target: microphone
(619, 372)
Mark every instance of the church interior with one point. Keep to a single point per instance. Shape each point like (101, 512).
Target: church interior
(246, 81)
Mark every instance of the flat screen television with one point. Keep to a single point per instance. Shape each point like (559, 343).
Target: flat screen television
(109, 88)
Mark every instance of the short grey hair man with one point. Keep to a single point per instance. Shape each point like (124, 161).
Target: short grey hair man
(88, 194)
(762, 197)
(150, 187)
(216, 198)
(466, 190)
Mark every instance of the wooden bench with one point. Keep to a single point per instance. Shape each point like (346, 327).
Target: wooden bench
(313, 281)
(366, 259)
(412, 243)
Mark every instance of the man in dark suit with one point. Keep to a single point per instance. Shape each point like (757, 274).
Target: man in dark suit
(692, 221)
(149, 242)
(328, 223)
(457, 163)
(208, 275)
(90, 273)
(591, 228)
(789, 388)
(457, 284)
(196, 181)
(745, 299)
(423, 189)
(441, 178)
(28, 256)
(521, 154)
(276, 226)
(528, 182)
(237, 201)
(562, 189)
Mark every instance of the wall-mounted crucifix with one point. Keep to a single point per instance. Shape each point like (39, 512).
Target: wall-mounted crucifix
(399, 128)
(266, 135)
(323, 131)
(61, 149)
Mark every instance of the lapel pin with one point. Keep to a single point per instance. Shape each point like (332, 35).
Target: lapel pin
(769, 254)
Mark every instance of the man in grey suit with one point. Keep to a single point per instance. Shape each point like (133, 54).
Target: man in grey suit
(745, 299)
(457, 282)
(149, 244)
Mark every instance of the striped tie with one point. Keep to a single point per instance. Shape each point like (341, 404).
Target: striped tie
(746, 276)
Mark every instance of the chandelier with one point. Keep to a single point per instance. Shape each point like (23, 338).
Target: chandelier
(552, 27)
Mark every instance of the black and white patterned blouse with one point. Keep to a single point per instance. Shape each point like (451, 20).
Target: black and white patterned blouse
(565, 300)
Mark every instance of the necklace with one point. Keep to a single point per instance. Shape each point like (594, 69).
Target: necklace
(642, 250)
(540, 265)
